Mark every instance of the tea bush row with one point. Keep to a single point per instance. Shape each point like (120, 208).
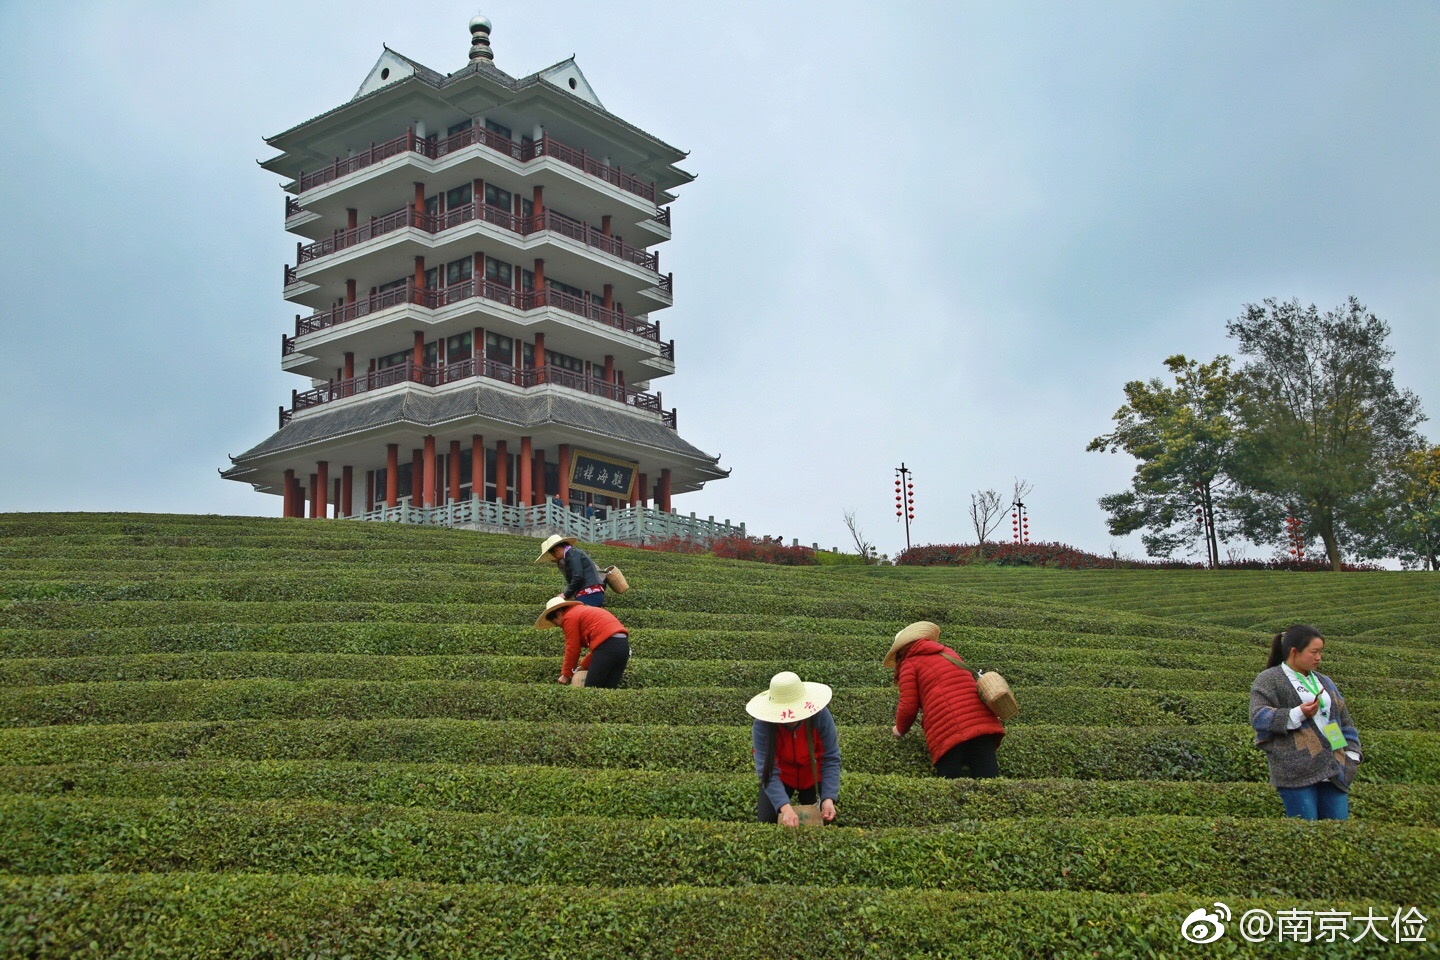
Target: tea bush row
(867, 800)
(1220, 753)
(130, 702)
(267, 917)
(1121, 855)
(643, 672)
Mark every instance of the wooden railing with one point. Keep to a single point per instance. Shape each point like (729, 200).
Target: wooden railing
(630, 524)
(435, 147)
(487, 290)
(522, 226)
(432, 376)
(292, 207)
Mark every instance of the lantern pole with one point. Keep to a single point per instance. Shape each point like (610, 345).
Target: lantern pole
(905, 498)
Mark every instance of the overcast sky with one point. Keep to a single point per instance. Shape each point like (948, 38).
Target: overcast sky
(938, 233)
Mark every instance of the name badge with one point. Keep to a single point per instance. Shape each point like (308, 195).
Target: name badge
(1332, 731)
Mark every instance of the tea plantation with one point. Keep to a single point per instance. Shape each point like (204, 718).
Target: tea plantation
(228, 737)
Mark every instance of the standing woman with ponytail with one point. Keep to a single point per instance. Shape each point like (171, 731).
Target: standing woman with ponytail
(1303, 725)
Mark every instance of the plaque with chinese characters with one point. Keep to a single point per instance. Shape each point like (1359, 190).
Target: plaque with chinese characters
(598, 474)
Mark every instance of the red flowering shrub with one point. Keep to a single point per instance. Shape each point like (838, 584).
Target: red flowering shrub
(665, 545)
(763, 550)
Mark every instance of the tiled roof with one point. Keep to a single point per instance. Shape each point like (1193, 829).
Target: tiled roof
(439, 81)
(523, 413)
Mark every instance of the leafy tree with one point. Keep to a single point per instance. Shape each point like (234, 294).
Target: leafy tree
(1182, 437)
(1321, 422)
(1415, 534)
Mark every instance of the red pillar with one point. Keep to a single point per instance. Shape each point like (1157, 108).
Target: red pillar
(350, 291)
(419, 197)
(288, 498)
(605, 224)
(609, 368)
(392, 474)
(539, 358)
(352, 218)
(347, 491)
(313, 499)
(429, 471)
(564, 472)
(525, 491)
(644, 487)
(477, 466)
(417, 477)
(502, 471)
(665, 490)
(417, 356)
(540, 492)
(322, 488)
(454, 465)
(541, 294)
(419, 273)
(609, 296)
(538, 201)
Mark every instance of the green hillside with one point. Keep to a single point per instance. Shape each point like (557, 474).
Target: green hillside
(233, 737)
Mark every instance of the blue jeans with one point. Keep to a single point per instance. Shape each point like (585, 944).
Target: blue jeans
(1319, 801)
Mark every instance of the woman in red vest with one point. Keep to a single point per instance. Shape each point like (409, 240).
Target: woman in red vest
(960, 730)
(796, 749)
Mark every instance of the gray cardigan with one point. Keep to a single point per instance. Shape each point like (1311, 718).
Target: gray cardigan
(1300, 757)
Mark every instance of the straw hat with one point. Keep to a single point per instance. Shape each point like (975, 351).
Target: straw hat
(923, 630)
(551, 542)
(551, 605)
(788, 699)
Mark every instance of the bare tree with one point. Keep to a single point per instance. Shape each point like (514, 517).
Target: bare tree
(986, 512)
(865, 547)
(1023, 489)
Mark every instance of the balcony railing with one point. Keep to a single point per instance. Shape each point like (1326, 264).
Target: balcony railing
(436, 147)
(432, 376)
(485, 290)
(433, 223)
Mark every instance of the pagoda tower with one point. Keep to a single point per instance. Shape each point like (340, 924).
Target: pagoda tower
(479, 291)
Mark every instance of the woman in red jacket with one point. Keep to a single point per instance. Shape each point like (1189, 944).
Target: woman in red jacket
(593, 629)
(960, 730)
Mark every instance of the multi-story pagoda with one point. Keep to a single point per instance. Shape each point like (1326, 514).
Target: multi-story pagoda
(480, 293)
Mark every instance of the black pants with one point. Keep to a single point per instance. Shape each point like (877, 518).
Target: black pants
(977, 754)
(607, 662)
(765, 813)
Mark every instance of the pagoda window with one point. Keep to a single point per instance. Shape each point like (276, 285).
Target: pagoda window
(527, 208)
(393, 360)
(497, 198)
(498, 348)
(565, 362)
(458, 348)
(432, 353)
(459, 197)
(432, 205)
(527, 280)
(432, 278)
(458, 271)
(497, 271)
(501, 129)
(527, 354)
(575, 292)
(460, 127)
(392, 285)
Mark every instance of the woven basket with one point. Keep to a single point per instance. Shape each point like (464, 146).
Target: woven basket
(615, 580)
(997, 695)
(577, 679)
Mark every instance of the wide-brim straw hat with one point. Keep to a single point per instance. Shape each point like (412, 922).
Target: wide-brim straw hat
(922, 630)
(551, 605)
(788, 699)
(551, 542)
